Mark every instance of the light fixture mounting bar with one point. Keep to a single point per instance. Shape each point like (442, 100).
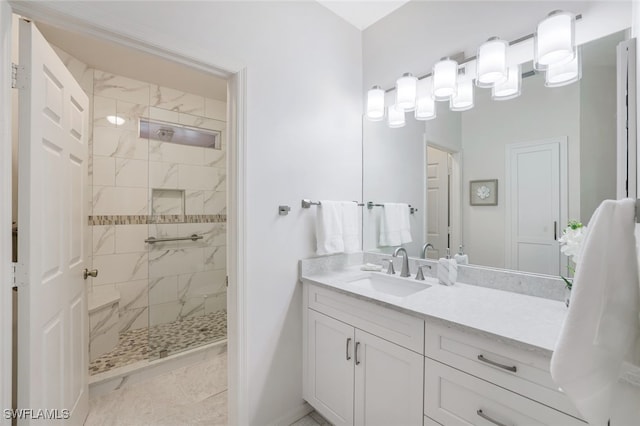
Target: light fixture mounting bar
(461, 60)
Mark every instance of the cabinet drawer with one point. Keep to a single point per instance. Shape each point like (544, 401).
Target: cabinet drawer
(454, 398)
(394, 326)
(526, 373)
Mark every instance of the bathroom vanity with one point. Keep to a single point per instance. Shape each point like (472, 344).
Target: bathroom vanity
(383, 350)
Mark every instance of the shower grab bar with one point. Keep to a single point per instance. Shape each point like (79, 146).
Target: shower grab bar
(153, 240)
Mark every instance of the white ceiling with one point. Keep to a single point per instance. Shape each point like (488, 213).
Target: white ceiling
(117, 59)
(362, 13)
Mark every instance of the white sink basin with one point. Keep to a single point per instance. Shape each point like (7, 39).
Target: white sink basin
(389, 284)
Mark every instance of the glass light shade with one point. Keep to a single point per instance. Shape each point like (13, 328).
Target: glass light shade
(563, 74)
(554, 41)
(406, 88)
(375, 104)
(395, 117)
(445, 75)
(425, 104)
(509, 89)
(491, 65)
(463, 100)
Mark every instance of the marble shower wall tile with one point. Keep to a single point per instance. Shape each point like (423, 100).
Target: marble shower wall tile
(102, 108)
(130, 238)
(201, 284)
(103, 330)
(163, 175)
(174, 153)
(117, 87)
(119, 268)
(133, 319)
(131, 173)
(104, 239)
(109, 200)
(215, 202)
(119, 142)
(104, 171)
(215, 257)
(175, 261)
(133, 295)
(215, 109)
(215, 158)
(175, 100)
(163, 290)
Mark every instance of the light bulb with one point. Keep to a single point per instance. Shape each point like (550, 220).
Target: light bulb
(445, 75)
(563, 74)
(491, 65)
(463, 100)
(425, 104)
(554, 42)
(395, 116)
(406, 92)
(509, 89)
(375, 104)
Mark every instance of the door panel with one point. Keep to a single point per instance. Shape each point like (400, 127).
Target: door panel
(534, 200)
(389, 382)
(52, 211)
(330, 368)
(437, 202)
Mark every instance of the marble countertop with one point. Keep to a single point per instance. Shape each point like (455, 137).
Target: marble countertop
(532, 323)
(528, 322)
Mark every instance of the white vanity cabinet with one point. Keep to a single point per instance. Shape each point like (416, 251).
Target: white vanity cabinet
(472, 380)
(355, 377)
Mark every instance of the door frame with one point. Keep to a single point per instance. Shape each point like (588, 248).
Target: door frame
(236, 195)
(455, 192)
(6, 268)
(562, 142)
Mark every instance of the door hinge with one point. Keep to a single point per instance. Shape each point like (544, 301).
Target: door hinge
(18, 77)
(226, 281)
(13, 274)
(19, 278)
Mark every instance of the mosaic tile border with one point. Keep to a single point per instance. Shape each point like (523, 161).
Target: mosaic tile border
(145, 220)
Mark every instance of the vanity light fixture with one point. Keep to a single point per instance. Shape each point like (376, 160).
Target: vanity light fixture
(425, 104)
(491, 66)
(463, 100)
(406, 87)
(395, 117)
(115, 119)
(554, 40)
(445, 75)
(564, 74)
(375, 104)
(509, 89)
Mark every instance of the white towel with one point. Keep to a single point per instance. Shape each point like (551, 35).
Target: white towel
(350, 227)
(329, 229)
(603, 322)
(395, 225)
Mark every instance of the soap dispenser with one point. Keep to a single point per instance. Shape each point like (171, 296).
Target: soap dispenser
(447, 270)
(460, 257)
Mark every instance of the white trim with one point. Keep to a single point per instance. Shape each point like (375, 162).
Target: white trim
(236, 248)
(5, 209)
(562, 142)
(293, 415)
(236, 229)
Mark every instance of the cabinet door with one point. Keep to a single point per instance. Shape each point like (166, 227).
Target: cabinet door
(388, 383)
(329, 384)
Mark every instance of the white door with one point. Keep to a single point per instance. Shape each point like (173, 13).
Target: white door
(329, 387)
(389, 380)
(536, 205)
(437, 202)
(52, 324)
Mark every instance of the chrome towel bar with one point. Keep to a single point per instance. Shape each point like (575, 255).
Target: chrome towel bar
(153, 240)
(370, 205)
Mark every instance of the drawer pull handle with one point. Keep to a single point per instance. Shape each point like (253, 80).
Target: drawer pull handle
(348, 341)
(497, 364)
(489, 419)
(357, 346)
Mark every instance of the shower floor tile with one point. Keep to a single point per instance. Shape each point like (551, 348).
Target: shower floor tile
(146, 343)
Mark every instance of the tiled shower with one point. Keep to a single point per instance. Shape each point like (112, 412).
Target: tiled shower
(152, 300)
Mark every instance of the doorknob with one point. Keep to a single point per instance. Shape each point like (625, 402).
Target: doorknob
(90, 273)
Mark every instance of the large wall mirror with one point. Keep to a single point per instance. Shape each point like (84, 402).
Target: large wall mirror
(505, 177)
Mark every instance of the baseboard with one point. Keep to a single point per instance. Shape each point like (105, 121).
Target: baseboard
(294, 415)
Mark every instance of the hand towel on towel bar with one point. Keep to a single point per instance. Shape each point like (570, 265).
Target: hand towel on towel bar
(395, 226)
(337, 228)
(603, 322)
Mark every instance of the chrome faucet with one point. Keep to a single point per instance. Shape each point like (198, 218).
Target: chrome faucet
(405, 261)
(425, 248)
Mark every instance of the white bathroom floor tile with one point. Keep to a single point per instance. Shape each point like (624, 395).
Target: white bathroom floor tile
(182, 397)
